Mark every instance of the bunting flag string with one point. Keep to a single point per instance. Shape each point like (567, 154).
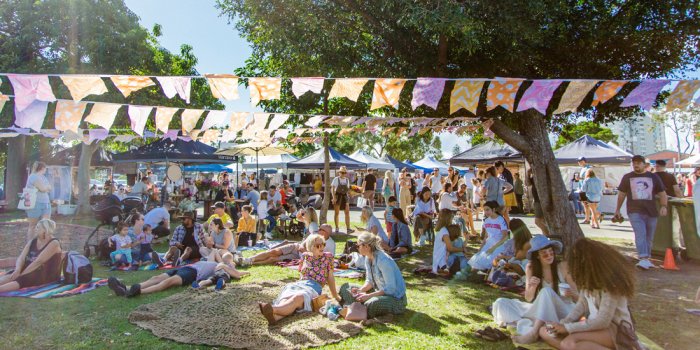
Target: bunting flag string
(348, 88)
(264, 89)
(180, 86)
(103, 114)
(465, 94)
(606, 91)
(537, 96)
(138, 116)
(223, 86)
(427, 91)
(69, 114)
(501, 92)
(126, 84)
(164, 115)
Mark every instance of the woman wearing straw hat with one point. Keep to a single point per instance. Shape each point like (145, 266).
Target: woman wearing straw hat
(550, 292)
(339, 192)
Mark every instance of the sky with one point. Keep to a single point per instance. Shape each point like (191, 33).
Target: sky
(220, 49)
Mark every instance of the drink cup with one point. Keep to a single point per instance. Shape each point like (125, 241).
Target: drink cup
(267, 242)
(250, 242)
(563, 288)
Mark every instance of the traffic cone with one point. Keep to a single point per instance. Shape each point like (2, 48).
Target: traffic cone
(669, 261)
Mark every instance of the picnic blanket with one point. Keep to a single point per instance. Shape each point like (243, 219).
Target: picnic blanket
(168, 265)
(245, 327)
(55, 290)
(337, 272)
(260, 245)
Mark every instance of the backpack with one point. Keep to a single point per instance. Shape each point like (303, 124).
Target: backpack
(104, 249)
(76, 268)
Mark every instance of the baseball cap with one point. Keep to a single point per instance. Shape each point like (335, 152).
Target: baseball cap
(581, 159)
(220, 205)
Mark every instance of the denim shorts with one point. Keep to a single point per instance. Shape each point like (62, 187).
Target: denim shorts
(39, 210)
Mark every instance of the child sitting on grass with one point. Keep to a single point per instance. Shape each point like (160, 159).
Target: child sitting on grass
(222, 273)
(388, 216)
(145, 238)
(123, 244)
(456, 261)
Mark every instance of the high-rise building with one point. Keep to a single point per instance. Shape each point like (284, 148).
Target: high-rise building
(640, 134)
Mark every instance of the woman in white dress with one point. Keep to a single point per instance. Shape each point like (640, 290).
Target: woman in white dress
(496, 233)
(550, 293)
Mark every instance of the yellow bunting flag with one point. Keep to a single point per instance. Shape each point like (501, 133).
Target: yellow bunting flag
(69, 114)
(130, 83)
(387, 93)
(163, 117)
(501, 92)
(264, 89)
(224, 86)
(103, 114)
(606, 91)
(574, 95)
(190, 117)
(465, 95)
(84, 85)
(682, 95)
(3, 99)
(348, 88)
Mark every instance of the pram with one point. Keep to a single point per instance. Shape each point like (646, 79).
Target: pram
(109, 211)
(296, 227)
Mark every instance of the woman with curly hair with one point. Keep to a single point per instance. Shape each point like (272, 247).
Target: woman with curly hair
(605, 287)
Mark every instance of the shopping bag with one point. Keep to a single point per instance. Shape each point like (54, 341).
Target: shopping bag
(361, 201)
(27, 199)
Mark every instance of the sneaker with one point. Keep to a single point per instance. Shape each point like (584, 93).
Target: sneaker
(645, 264)
(423, 238)
(178, 262)
(135, 290)
(195, 285)
(220, 283)
(650, 264)
(155, 258)
(117, 286)
(268, 235)
(176, 257)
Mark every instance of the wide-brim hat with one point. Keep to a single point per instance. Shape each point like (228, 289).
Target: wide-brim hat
(539, 242)
(188, 215)
(343, 169)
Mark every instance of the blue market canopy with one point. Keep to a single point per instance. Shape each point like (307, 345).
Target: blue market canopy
(316, 161)
(594, 150)
(100, 158)
(178, 151)
(372, 163)
(208, 168)
(486, 153)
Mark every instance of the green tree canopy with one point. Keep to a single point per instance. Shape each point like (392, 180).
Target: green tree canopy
(572, 132)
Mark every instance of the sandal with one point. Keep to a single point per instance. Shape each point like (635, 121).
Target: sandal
(485, 335)
(266, 310)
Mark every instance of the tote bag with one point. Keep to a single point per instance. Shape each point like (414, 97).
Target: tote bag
(27, 200)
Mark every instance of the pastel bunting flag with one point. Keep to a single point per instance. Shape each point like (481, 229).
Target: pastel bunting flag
(163, 117)
(501, 92)
(239, 120)
(209, 136)
(264, 89)
(281, 133)
(607, 90)
(301, 85)
(466, 94)
(428, 91)
(644, 94)
(180, 86)
(97, 135)
(339, 120)
(315, 121)
(224, 86)
(682, 95)
(277, 121)
(190, 117)
(30, 88)
(69, 114)
(171, 135)
(215, 119)
(70, 136)
(348, 88)
(387, 93)
(538, 95)
(53, 133)
(81, 86)
(32, 116)
(130, 83)
(574, 95)
(138, 115)
(124, 138)
(103, 114)
(3, 99)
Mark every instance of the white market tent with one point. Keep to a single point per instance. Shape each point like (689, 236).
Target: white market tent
(372, 163)
(690, 161)
(432, 163)
(278, 161)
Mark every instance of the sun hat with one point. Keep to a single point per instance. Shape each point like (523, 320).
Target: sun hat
(581, 159)
(343, 169)
(539, 242)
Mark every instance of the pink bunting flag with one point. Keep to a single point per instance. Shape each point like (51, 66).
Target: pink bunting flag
(97, 135)
(32, 116)
(180, 86)
(538, 95)
(138, 116)
(171, 135)
(301, 85)
(428, 91)
(644, 94)
(30, 88)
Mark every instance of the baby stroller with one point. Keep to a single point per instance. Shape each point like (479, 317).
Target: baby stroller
(296, 227)
(109, 211)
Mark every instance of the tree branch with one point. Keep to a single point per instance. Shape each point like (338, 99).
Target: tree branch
(509, 136)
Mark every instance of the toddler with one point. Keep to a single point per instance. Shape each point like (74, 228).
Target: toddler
(145, 239)
(123, 244)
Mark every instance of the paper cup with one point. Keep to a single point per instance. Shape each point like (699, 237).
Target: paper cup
(563, 288)
(250, 242)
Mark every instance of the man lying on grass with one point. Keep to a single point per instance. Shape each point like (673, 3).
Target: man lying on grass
(290, 251)
(182, 276)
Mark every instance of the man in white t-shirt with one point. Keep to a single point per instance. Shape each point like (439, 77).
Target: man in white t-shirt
(159, 220)
(435, 182)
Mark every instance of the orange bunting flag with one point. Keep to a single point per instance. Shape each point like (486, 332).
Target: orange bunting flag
(69, 114)
(190, 117)
(264, 89)
(3, 99)
(239, 120)
(387, 93)
(130, 83)
(682, 95)
(224, 86)
(103, 114)
(465, 94)
(348, 88)
(501, 92)
(83, 85)
(163, 117)
(606, 91)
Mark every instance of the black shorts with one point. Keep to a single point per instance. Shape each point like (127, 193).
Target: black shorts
(220, 274)
(582, 197)
(341, 200)
(187, 274)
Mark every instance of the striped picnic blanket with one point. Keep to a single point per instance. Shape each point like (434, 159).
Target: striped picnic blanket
(55, 290)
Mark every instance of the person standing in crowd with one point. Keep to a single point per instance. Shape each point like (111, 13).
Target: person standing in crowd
(467, 179)
(42, 208)
(669, 181)
(318, 184)
(453, 179)
(404, 190)
(593, 188)
(420, 181)
(680, 179)
(539, 213)
(582, 195)
(141, 188)
(575, 195)
(388, 186)
(369, 187)
(493, 189)
(339, 192)
(690, 182)
(640, 188)
(476, 198)
(508, 194)
(435, 183)
(519, 190)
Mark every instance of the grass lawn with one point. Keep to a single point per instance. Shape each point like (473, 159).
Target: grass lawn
(442, 314)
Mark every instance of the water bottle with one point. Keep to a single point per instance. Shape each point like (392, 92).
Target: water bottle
(333, 312)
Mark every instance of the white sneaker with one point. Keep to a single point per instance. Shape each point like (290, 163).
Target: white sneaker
(650, 264)
(268, 235)
(644, 264)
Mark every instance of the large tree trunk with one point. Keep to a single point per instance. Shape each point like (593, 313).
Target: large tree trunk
(533, 142)
(326, 181)
(83, 194)
(16, 169)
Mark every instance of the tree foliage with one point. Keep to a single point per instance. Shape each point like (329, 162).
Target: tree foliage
(572, 132)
